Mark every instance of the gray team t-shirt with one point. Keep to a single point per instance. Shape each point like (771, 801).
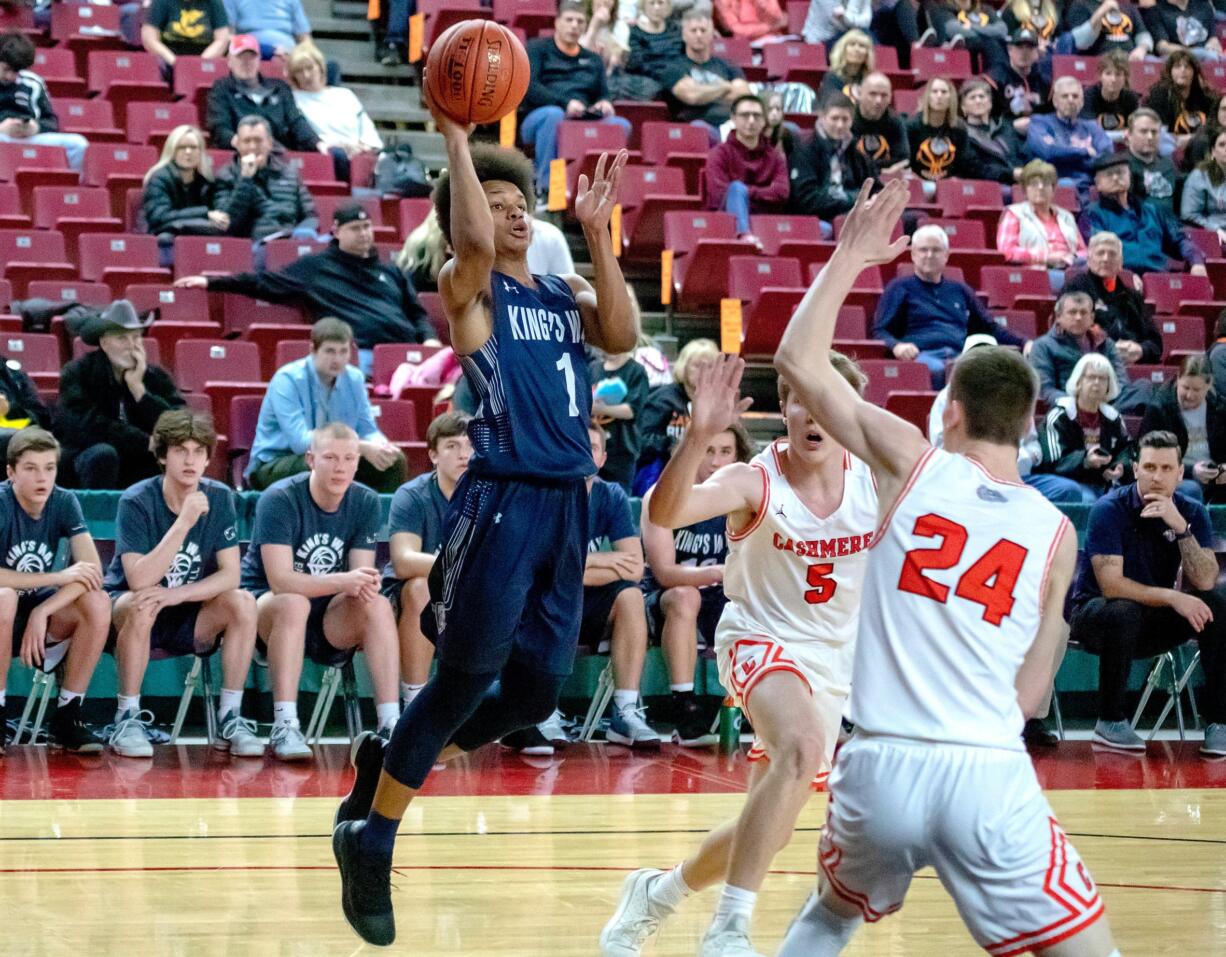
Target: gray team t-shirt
(419, 506)
(29, 544)
(321, 541)
(144, 518)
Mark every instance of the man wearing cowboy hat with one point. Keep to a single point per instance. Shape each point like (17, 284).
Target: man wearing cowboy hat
(110, 399)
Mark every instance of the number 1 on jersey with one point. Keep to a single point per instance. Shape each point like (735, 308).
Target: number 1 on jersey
(568, 371)
(989, 581)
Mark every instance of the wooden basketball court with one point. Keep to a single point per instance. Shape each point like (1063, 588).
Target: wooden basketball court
(195, 853)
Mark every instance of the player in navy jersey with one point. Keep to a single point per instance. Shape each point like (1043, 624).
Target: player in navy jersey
(311, 566)
(175, 583)
(684, 588)
(42, 609)
(507, 591)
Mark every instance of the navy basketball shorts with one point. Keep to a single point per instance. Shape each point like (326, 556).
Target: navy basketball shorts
(317, 646)
(174, 630)
(508, 581)
(712, 601)
(26, 603)
(597, 607)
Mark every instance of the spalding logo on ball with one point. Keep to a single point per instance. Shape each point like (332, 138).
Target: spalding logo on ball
(477, 72)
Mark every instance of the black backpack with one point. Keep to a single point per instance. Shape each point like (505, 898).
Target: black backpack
(399, 171)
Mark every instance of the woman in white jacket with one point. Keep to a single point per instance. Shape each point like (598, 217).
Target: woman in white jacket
(1037, 232)
(830, 19)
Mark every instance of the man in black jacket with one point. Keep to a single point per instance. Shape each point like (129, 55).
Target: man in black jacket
(347, 281)
(879, 133)
(260, 193)
(110, 400)
(26, 115)
(826, 173)
(244, 92)
(1119, 309)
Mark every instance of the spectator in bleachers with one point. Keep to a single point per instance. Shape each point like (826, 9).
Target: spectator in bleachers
(879, 133)
(830, 19)
(1019, 87)
(1083, 439)
(424, 252)
(310, 392)
(174, 28)
(851, 60)
(780, 133)
(174, 582)
(246, 93)
(347, 280)
(179, 198)
(655, 42)
(699, 88)
(1217, 353)
(26, 114)
(1101, 26)
(607, 35)
(334, 112)
(311, 567)
(1185, 27)
(1073, 334)
(263, 196)
(1041, 16)
(752, 19)
(1037, 232)
(1153, 175)
(613, 603)
(1190, 410)
(1201, 143)
(745, 174)
(20, 404)
(110, 400)
(684, 586)
(1126, 603)
(666, 412)
(277, 24)
(927, 317)
(568, 82)
(936, 135)
(1182, 97)
(1153, 240)
(1066, 140)
(1204, 194)
(620, 420)
(827, 171)
(415, 535)
(1110, 102)
(1119, 307)
(971, 24)
(994, 149)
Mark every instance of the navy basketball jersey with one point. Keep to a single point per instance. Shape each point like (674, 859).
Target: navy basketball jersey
(531, 379)
(703, 543)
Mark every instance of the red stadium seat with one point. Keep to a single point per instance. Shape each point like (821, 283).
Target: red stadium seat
(179, 305)
(86, 293)
(194, 76)
(638, 114)
(955, 195)
(198, 361)
(1168, 290)
(676, 144)
(736, 50)
(580, 144)
(33, 254)
(58, 69)
(702, 244)
(317, 173)
(639, 182)
(12, 216)
(1082, 68)
(211, 255)
(748, 276)
(74, 210)
(914, 407)
(890, 375)
(93, 119)
(290, 350)
(268, 336)
(852, 323)
(1157, 374)
(118, 167)
(1142, 74)
(36, 351)
(643, 225)
(962, 233)
(773, 231)
(1021, 322)
(397, 419)
(152, 121)
(281, 252)
(413, 212)
(239, 312)
(244, 417)
(1181, 334)
(1003, 284)
(70, 19)
(441, 15)
(30, 166)
(121, 259)
(388, 357)
(422, 397)
(432, 302)
(168, 334)
(794, 62)
(1206, 240)
(953, 65)
(221, 398)
(126, 76)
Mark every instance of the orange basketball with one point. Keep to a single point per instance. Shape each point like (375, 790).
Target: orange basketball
(477, 71)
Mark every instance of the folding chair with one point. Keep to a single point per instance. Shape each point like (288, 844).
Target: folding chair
(345, 678)
(600, 702)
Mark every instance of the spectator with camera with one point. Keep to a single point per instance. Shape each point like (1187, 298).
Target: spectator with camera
(1191, 411)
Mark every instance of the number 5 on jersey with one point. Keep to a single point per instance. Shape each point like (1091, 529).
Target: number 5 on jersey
(989, 581)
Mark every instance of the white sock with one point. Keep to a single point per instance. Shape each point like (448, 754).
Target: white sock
(670, 890)
(408, 692)
(387, 714)
(682, 688)
(230, 702)
(2, 699)
(734, 902)
(125, 704)
(285, 712)
(625, 698)
(65, 697)
(818, 931)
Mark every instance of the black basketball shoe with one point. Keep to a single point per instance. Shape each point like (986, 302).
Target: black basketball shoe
(69, 732)
(366, 756)
(366, 886)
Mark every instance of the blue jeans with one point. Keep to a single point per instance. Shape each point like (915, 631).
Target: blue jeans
(1062, 490)
(72, 143)
(398, 13)
(540, 128)
(935, 360)
(736, 202)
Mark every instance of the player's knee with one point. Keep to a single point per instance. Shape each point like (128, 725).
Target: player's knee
(379, 615)
(797, 755)
(291, 610)
(629, 601)
(684, 601)
(415, 595)
(239, 605)
(8, 601)
(95, 607)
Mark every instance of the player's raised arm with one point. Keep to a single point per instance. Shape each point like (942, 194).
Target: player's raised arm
(608, 317)
(1043, 659)
(888, 444)
(735, 490)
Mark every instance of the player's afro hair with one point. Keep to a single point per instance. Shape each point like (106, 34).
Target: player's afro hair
(490, 162)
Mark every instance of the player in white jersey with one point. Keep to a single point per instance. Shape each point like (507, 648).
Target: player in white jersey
(960, 633)
(800, 520)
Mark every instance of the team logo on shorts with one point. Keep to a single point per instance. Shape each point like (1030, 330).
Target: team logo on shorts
(32, 558)
(320, 554)
(185, 568)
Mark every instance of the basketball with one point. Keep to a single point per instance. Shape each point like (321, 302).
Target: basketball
(477, 71)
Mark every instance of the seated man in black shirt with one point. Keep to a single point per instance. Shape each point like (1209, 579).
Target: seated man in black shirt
(827, 172)
(879, 133)
(700, 88)
(1119, 308)
(567, 83)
